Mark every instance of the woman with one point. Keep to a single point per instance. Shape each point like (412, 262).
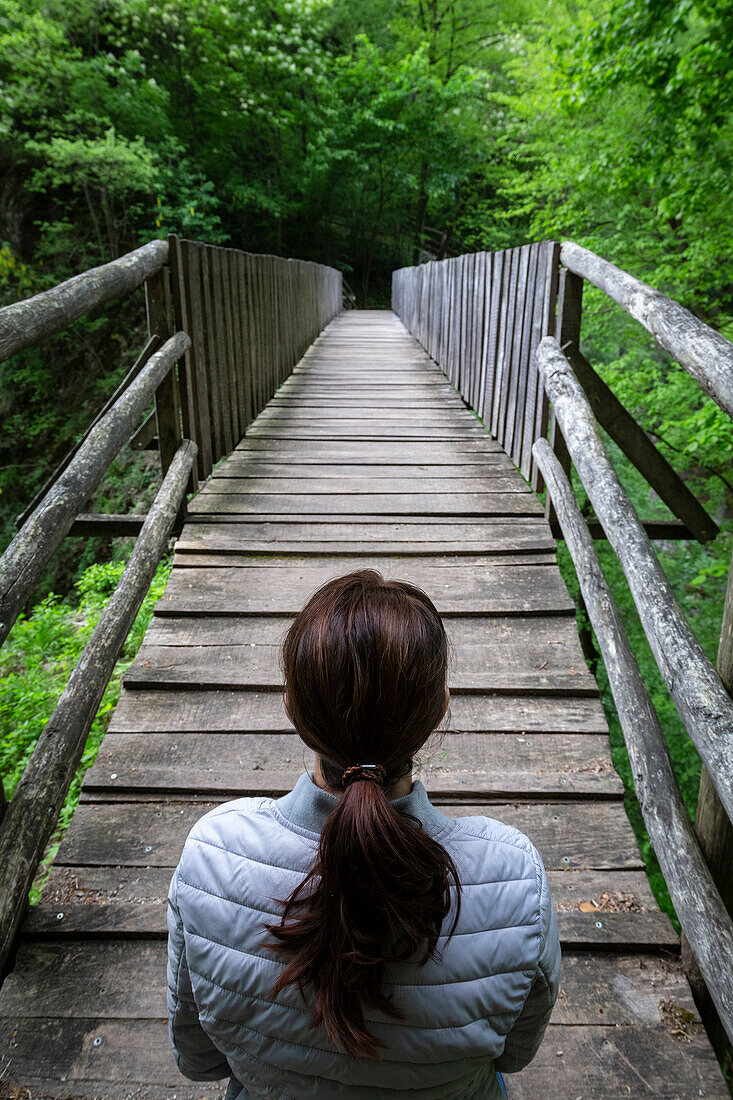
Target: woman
(349, 940)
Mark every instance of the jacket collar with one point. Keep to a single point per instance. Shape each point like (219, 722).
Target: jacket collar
(308, 806)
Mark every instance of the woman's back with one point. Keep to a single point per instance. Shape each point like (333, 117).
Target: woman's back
(348, 939)
(502, 961)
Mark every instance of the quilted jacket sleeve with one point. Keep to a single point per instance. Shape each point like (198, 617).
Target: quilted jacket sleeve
(523, 1041)
(195, 1054)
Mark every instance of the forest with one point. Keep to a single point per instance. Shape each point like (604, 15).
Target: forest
(365, 136)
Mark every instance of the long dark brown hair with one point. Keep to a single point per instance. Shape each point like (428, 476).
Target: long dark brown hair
(365, 666)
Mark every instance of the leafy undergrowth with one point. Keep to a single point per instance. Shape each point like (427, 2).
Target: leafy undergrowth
(35, 663)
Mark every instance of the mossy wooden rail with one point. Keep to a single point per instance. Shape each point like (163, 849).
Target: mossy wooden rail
(314, 442)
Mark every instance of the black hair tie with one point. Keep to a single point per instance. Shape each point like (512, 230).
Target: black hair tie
(373, 772)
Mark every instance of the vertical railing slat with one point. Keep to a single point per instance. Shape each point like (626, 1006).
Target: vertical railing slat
(191, 322)
(534, 386)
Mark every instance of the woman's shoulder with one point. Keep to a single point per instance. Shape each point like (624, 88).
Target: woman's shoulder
(491, 851)
(241, 827)
(491, 829)
(237, 847)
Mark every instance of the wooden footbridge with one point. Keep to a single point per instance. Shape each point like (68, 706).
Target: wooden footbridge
(319, 441)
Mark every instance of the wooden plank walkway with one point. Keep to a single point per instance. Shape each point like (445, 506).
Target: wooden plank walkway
(364, 456)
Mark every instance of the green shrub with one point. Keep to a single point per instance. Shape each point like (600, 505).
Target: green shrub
(35, 663)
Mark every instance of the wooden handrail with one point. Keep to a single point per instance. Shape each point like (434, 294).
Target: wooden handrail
(23, 324)
(702, 351)
(25, 558)
(697, 901)
(704, 705)
(639, 449)
(31, 816)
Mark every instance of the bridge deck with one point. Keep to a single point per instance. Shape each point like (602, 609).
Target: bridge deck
(365, 456)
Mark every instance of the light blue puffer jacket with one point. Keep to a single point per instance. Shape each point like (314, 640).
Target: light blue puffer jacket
(484, 1007)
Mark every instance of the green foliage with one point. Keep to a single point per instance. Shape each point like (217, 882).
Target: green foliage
(367, 136)
(618, 135)
(36, 661)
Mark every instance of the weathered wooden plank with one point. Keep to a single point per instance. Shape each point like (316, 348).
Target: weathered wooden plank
(495, 468)
(305, 503)
(348, 429)
(229, 480)
(417, 535)
(371, 382)
(374, 549)
(360, 416)
(713, 828)
(122, 902)
(394, 398)
(461, 764)
(400, 423)
(389, 449)
(553, 641)
(129, 902)
(442, 523)
(186, 375)
(234, 711)
(483, 336)
(118, 981)
(106, 525)
(90, 1090)
(623, 1061)
(353, 556)
(250, 327)
(486, 588)
(503, 667)
(571, 837)
(567, 329)
(228, 668)
(241, 307)
(642, 1060)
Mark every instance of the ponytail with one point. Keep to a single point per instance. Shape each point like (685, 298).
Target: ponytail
(365, 667)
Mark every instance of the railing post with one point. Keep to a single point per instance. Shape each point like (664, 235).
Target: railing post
(713, 827)
(715, 832)
(567, 329)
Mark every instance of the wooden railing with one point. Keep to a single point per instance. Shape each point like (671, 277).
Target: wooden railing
(482, 317)
(505, 328)
(225, 328)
